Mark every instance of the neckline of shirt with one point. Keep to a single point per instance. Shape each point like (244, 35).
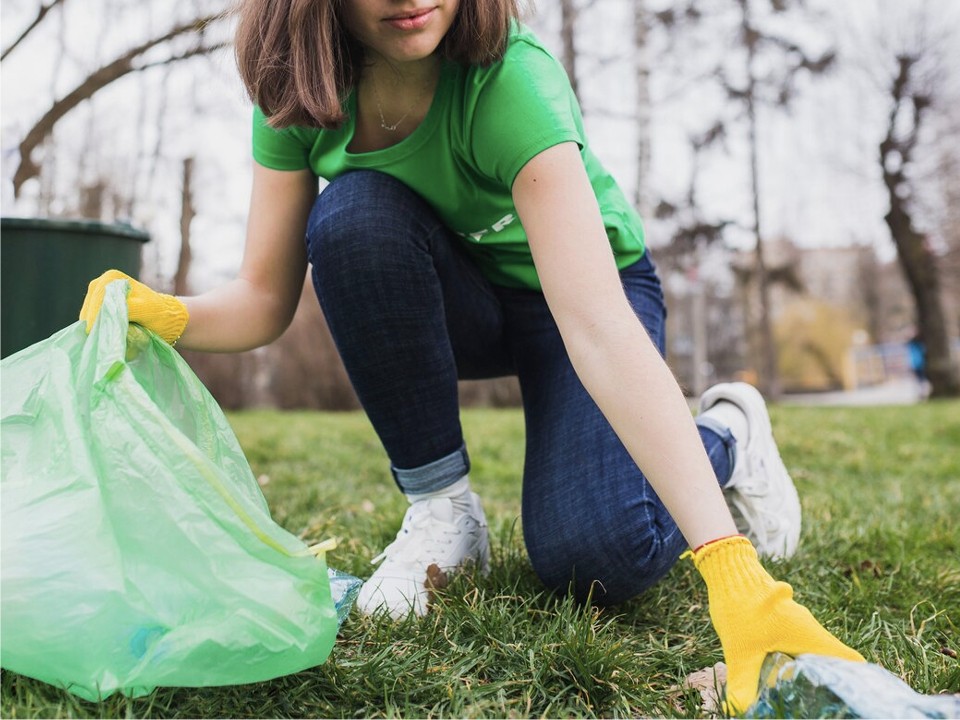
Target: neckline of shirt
(410, 144)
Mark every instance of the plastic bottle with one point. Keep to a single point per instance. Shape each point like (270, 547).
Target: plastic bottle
(814, 686)
(344, 589)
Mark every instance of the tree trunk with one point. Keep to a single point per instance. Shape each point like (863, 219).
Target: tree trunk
(920, 270)
(769, 377)
(568, 15)
(917, 261)
(642, 196)
(187, 213)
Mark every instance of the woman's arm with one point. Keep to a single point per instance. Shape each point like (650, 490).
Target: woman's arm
(256, 307)
(610, 350)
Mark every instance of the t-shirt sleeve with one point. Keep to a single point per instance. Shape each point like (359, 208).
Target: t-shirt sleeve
(278, 149)
(525, 105)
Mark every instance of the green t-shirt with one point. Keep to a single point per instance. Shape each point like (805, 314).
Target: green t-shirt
(484, 125)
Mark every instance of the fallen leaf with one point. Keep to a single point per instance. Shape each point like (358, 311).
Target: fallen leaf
(436, 580)
(708, 682)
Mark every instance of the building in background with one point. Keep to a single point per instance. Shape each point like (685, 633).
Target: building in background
(842, 317)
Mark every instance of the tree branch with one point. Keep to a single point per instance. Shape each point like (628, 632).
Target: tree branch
(187, 54)
(95, 81)
(42, 13)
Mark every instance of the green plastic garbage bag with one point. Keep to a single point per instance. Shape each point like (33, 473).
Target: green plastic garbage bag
(137, 548)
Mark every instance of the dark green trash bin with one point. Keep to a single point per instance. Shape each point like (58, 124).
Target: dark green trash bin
(46, 266)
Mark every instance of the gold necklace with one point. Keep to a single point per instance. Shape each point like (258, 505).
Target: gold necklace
(383, 121)
(410, 106)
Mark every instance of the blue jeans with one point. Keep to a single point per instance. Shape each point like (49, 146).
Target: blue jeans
(410, 314)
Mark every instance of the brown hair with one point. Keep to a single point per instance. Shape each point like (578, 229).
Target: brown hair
(298, 62)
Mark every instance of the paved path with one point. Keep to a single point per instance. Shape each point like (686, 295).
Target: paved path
(902, 391)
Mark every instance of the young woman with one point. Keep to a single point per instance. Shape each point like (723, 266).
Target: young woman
(468, 231)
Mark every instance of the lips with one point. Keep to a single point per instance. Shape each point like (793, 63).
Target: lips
(410, 19)
(410, 14)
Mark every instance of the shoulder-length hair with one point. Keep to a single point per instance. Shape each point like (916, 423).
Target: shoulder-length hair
(299, 63)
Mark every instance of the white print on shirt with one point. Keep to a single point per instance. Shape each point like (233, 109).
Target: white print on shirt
(496, 227)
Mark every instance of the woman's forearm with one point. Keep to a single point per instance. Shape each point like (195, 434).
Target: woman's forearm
(637, 393)
(611, 352)
(257, 307)
(234, 317)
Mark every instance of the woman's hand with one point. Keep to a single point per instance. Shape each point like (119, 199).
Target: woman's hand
(165, 315)
(755, 616)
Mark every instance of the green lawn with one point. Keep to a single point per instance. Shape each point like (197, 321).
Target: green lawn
(879, 565)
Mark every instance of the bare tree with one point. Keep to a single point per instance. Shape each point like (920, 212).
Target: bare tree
(912, 94)
(949, 171)
(187, 213)
(568, 21)
(134, 59)
(692, 233)
(778, 93)
(641, 29)
(770, 64)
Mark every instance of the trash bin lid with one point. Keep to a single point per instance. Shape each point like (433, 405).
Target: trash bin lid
(81, 227)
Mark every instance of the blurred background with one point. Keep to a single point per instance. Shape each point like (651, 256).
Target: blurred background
(797, 164)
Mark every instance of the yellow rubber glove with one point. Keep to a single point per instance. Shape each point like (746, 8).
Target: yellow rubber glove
(754, 615)
(163, 314)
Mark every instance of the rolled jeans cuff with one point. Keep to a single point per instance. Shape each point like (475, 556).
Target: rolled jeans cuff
(433, 476)
(728, 443)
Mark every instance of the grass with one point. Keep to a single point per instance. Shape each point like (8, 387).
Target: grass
(879, 565)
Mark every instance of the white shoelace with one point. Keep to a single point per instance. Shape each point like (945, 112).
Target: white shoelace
(421, 532)
(748, 487)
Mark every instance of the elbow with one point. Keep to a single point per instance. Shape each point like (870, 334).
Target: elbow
(278, 331)
(592, 318)
(584, 332)
(276, 322)
(270, 311)
(595, 330)
(262, 326)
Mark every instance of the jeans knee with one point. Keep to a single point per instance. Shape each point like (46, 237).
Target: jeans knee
(359, 213)
(605, 564)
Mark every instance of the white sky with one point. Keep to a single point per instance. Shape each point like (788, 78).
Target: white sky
(820, 185)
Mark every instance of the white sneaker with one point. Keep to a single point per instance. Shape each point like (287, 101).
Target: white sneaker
(435, 539)
(761, 495)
